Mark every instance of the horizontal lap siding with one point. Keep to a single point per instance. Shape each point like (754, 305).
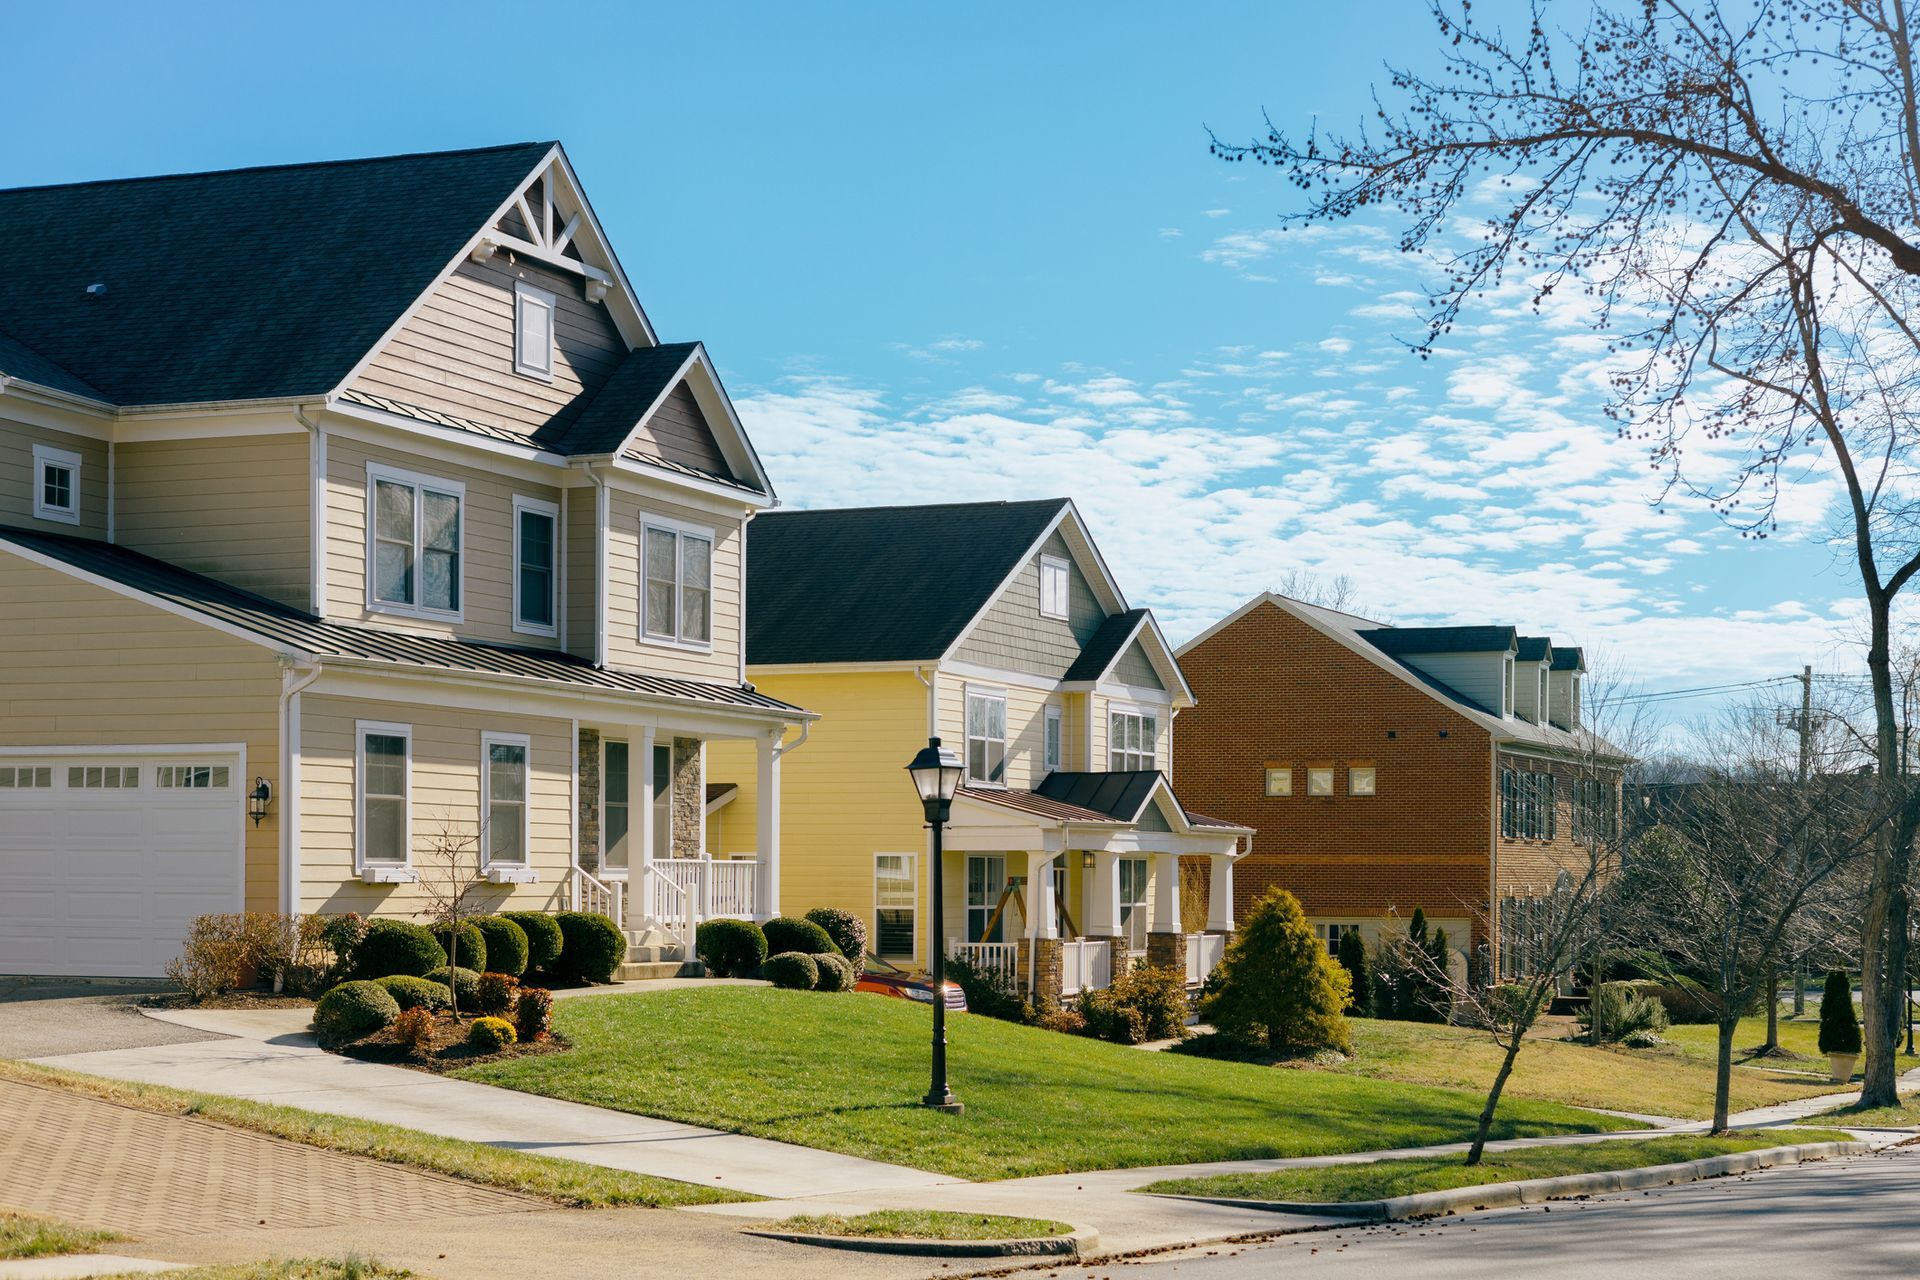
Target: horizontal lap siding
(1026, 725)
(582, 559)
(624, 645)
(486, 573)
(236, 509)
(17, 479)
(446, 799)
(678, 431)
(81, 666)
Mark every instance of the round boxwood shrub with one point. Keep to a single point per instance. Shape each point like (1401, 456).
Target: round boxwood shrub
(594, 946)
(352, 1010)
(848, 931)
(473, 947)
(730, 948)
(544, 938)
(506, 945)
(397, 946)
(836, 972)
(793, 971)
(465, 983)
(490, 1035)
(784, 933)
(410, 992)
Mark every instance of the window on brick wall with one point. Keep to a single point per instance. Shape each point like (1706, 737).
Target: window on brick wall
(1319, 782)
(1360, 780)
(1527, 804)
(1279, 779)
(1330, 935)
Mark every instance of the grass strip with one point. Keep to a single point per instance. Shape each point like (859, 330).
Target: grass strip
(563, 1182)
(22, 1235)
(1387, 1179)
(926, 1224)
(1904, 1116)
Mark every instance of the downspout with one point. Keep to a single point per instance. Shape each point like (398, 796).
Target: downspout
(781, 749)
(602, 515)
(316, 513)
(290, 689)
(1493, 863)
(110, 492)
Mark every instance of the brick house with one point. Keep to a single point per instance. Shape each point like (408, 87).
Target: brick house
(1388, 768)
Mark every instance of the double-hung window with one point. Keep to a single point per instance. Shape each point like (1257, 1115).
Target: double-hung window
(987, 738)
(1131, 739)
(56, 484)
(416, 542)
(1053, 587)
(504, 793)
(986, 885)
(1053, 745)
(536, 526)
(384, 795)
(1133, 902)
(896, 899)
(677, 605)
(532, 331)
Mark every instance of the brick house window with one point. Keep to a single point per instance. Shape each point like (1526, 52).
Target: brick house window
(1279, 780)
(1330, 935)
(1360, 781)
(1527, 805)
(1319, 782)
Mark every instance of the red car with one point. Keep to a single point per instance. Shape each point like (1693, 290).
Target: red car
(888, 980)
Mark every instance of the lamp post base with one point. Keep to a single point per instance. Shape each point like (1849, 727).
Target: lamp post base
(944, 1102)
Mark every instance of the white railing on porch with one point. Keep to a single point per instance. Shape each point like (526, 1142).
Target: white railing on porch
(714, 889)
(1085, 966)
(672, 907)
(1203, 953)
(589, 894)
(1001, 958)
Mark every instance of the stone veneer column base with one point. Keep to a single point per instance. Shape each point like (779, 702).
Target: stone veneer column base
(588, 750)
(1167, 950)
(1049, 973)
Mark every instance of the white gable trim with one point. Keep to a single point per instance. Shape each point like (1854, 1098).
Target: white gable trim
(703, 382)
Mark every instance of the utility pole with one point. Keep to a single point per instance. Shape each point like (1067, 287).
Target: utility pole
(1806, 723)
(1806, 771)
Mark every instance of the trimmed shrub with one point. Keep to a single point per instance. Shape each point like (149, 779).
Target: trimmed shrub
(544, 939)
(1277, 984)
(848, 931)
(216, 957)
(836, 972)
(990, 992)
(491, 1035)
(1839, 1025)
(410, 992)
(473, 946)
(1617, 1010)
(465, 983)
(1063, 1020)
(1507, 1004)
(1108, 1019)
(1684, 1005)
(730, 948)
(533, 1014)
(352, 1010)
(784, 933)
(397, 946)
(792, 971)
(1159, 995)
(495, 994)
(1353, 958)
(594, 948)
(414, 1028)
(506, 945)
(342, 936)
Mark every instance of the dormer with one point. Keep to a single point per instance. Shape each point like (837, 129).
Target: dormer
(1475, 663)
(1564, 676)
(1532, 662)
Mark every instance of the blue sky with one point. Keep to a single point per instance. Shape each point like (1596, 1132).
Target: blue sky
(947, 252)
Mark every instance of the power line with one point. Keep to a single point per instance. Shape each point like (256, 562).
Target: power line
(1702, 691)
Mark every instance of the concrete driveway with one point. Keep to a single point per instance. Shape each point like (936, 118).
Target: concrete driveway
(44, 1017)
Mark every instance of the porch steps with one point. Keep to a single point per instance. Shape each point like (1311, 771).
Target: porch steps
(642, 970)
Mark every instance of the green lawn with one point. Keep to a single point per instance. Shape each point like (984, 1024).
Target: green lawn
(1385, 1179)
(925, 1224)
(564, 1182)
(1799, 1037)
(1904, 1116)
(1662, 1082)
(845, 1073)
(23, 1235)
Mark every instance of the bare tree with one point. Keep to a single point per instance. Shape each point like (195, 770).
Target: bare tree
(1736, 188)
(451, 878)
(1339, 593)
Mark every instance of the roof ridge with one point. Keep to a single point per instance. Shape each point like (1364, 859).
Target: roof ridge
(918, 506)
(282, 167)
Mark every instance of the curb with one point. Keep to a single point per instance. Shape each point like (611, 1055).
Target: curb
(1078, 1244)
(1504, 1195)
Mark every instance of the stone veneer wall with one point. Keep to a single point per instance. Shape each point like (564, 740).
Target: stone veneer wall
(689, 798)
(590, 799)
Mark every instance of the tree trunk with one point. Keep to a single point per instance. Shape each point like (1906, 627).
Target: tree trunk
(1493, 1096)
(1799, 988)
(453, 975)
(1723, 1071)
(1773, 1013)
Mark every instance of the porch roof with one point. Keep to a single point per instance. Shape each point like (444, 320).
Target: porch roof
(1116, 798)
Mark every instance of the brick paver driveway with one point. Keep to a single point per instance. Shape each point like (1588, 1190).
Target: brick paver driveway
(153, 1176)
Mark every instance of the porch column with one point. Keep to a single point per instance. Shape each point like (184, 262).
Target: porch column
(1219, 893)
(640, 850)
(1103, 897)
(1166, 944)
(1043, 931)
(766, 868)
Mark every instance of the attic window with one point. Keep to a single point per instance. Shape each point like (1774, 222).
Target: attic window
(532, 331)
(56, 484)
(1053, 587)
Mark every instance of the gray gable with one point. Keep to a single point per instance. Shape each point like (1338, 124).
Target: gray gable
(1136, 669)
(1014, 636)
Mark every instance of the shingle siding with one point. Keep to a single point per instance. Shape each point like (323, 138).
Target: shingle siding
(1135, 669)
(1014, 635)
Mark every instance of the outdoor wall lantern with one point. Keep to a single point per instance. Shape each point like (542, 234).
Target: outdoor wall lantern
(936, 776)
(257, 800)
(1086, 859)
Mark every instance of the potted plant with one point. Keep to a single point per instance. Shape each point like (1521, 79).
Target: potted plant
(1839, 1027)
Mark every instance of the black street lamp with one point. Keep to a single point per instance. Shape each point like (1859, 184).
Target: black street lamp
(936, 776)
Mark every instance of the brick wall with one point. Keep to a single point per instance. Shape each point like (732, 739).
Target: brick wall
(1270, 688)
(1525, 868)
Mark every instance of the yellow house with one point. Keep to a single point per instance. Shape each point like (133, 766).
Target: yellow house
(997, 628)
(353, 514)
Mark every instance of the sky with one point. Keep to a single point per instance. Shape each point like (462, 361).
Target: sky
(981, 251)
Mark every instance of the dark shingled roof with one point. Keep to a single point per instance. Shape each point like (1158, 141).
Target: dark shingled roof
(602, 425)
(879, 584)
(239, 285)
(1120, 796)
(303, 633)
(1568, 659)
(1533, 648)
(1440, 639)
(1105, 645)
(17, 360)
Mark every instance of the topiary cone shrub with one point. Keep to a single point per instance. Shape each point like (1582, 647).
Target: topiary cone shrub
(1277, 985)
(730, 948)
(506, 945)
(784, 933)
(594, 948)
(1839, 1025)
(1353, 958)
(544, 939)
(848, 931)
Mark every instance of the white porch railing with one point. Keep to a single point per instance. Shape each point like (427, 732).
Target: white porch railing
(715, 889)
(672, 907)
(1085, 966)
(589, 894)
(1002, 958)
(1203, 953)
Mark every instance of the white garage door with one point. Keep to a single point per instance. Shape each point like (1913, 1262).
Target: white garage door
(104, 859)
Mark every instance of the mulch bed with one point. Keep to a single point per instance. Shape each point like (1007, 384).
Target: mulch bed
(449, 1050)
(229, 1000)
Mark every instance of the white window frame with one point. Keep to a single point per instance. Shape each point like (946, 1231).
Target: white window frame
(361, 729)
(488, 741)
(1053, 739)
(1372, 773)
(912, 863)
(44, 456)
(526, 295)
(1133, 911)
(377, 472)
(1506, 687)
(972, 693)
(985, 910)
(1143, 714)
(1056, 570)
(680, 530)
(534, 506)
(1314, 775)
(1284, 772)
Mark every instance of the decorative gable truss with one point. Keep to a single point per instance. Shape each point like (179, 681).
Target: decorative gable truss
(548, 221)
